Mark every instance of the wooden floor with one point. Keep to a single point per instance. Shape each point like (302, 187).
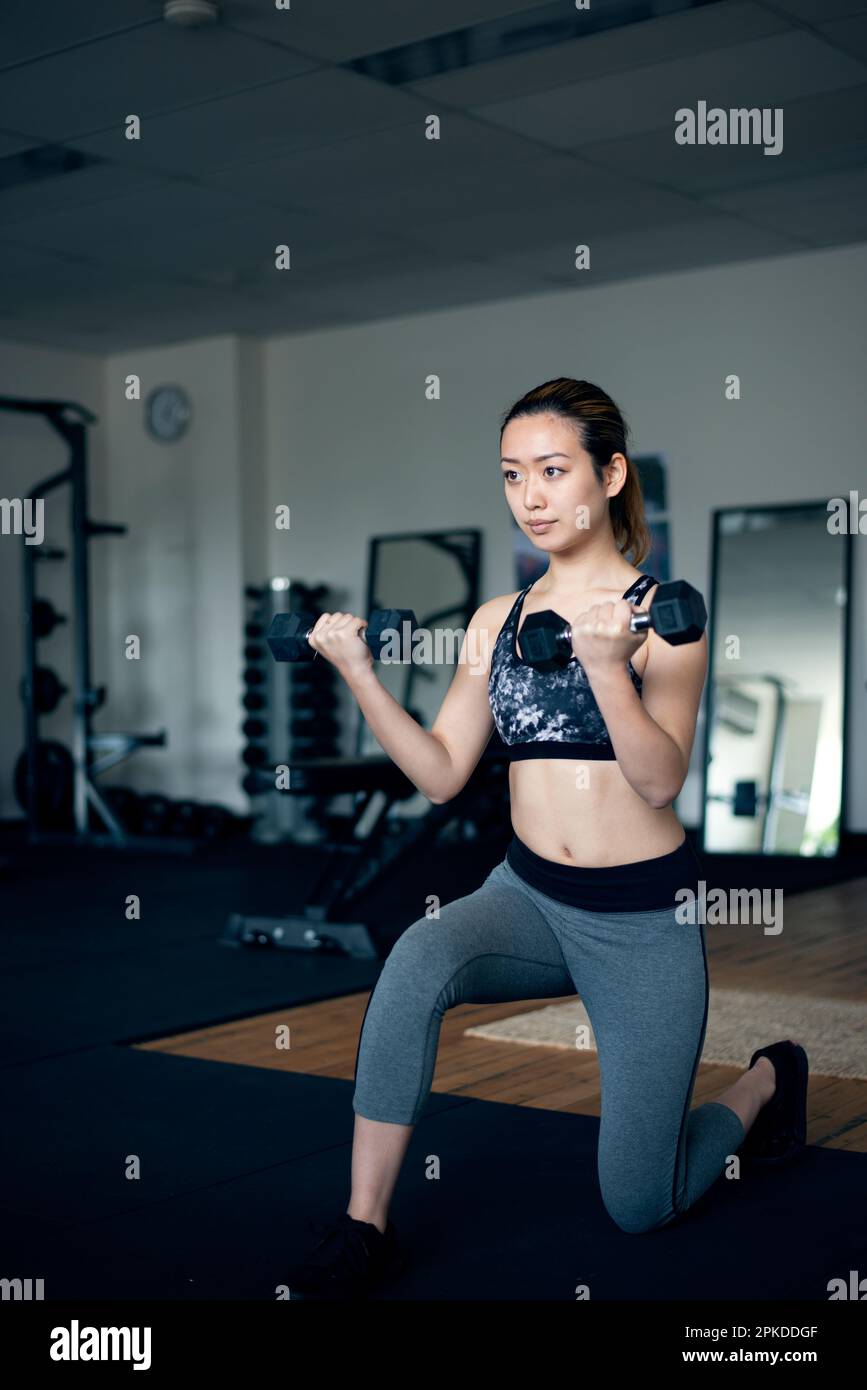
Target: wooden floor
(824, 955)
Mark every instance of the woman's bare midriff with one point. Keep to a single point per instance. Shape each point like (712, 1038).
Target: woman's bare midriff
(587, 814)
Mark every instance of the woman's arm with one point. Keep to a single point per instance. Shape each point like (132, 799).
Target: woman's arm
(652, 736)
(417, 753)
(437, 762)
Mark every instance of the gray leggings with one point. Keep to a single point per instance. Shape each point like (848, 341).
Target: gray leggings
(642, 977)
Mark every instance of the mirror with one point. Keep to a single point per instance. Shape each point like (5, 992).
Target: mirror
(776, 683)
(436, 574)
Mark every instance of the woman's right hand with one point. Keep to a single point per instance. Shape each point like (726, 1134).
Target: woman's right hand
(335, 636)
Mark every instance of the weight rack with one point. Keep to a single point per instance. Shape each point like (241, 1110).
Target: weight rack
(91, 753)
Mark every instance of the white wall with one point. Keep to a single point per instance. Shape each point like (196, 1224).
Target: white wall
(336, 424)
(176, 580)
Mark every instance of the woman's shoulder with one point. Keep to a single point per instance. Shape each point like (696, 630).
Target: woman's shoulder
(637, 590)
(496, 610)
(490, 616)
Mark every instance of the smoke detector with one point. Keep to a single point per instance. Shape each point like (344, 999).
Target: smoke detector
(191, 12)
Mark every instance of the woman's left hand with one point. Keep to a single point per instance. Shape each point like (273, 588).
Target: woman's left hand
(601, 638)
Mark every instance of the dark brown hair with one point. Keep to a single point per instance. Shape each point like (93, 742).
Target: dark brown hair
(602, 431)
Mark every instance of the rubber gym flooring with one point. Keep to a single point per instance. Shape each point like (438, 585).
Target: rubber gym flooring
(237, 1161)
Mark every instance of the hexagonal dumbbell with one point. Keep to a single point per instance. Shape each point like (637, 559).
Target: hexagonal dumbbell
(288, 634)
(677, 613)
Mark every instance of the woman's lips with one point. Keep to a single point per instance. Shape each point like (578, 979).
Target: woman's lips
(539, 525)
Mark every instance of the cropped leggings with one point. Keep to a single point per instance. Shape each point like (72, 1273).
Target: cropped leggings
(642, 977)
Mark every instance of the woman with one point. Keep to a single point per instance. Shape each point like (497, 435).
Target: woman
(585, 899)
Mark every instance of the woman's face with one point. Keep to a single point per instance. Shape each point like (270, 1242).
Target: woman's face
(549, 477)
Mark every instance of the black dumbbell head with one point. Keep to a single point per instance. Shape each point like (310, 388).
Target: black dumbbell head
(390, 632)
(544, 641)
(287, 636)
(678, 613)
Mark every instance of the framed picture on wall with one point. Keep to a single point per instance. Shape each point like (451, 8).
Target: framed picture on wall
(652, 474)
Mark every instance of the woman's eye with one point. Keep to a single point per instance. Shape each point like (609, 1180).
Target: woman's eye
(509, 473)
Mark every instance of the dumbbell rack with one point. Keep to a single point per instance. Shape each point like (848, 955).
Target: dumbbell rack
(303, 696)
(91, 753)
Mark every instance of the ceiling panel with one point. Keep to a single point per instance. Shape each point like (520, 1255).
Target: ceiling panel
(11, 142)
(79, 188)
(142, 71)
(663, 39)
(397, 176)
(182, 229)
(711, 239)
(764, 73)
(817, 130)
(828, 209)
(271, 120)
(816, 11)
(849, 34)
(33, 30)
(337, 31)
(586, 212)
(129, 317)
(30, 277)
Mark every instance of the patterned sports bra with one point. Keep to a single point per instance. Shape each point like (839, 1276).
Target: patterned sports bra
(553, 714)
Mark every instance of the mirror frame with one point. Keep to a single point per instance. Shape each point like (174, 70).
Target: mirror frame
(466, 545)
(846, 620)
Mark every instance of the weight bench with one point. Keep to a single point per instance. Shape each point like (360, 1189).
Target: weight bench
(354, 864)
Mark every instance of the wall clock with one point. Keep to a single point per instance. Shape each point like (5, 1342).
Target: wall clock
(167, 413)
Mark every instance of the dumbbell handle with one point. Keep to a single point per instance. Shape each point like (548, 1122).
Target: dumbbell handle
(305, 635)
(640, 621)
(287, 641)
(637, 623)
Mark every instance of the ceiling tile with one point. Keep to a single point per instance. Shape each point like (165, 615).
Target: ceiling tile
(708, 240)
(826, 210)
(337, 31)
(583, 213)
(398, 172)
(34, 30)
(848, 34)
(765, 73)
(79, 188)
(141, 72)
(272, 120)
(829, 127)
(12, 143)
(815, 11)
(662, 39)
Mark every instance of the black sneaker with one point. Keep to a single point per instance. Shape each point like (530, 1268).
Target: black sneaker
(780, 1129)
(351, 1260)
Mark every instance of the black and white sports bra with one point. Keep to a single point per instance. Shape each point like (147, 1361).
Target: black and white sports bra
(553, 714)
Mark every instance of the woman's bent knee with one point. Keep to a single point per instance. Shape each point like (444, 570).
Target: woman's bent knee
(638, 1211)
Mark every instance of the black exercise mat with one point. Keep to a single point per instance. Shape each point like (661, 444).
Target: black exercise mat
(189, 984)
(60, 906)
(515, 1214)
(75, 974)
(69, 1124)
